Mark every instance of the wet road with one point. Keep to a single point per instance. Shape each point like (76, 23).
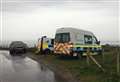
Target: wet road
(22, 69)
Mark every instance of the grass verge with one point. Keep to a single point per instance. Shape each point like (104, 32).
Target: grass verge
(79, 69)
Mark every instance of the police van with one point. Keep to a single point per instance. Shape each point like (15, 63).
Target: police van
(45, 45)
(75, 42)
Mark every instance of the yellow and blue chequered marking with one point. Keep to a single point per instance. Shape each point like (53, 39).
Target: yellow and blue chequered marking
(85, 47)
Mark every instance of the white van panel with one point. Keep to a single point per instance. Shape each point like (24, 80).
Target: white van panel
(76, 35)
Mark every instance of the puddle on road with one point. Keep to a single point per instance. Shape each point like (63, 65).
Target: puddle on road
(23, 69)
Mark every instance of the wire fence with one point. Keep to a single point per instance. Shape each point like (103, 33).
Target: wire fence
(108, 62)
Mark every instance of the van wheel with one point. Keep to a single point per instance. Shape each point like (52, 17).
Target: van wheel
(47, 52)
(77, 55)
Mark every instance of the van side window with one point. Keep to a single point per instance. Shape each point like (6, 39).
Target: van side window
(88, 39)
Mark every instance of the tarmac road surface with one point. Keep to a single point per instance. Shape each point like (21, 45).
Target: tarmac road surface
(23, 69)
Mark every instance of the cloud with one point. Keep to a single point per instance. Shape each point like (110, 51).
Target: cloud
(29, 20)
(30, 5)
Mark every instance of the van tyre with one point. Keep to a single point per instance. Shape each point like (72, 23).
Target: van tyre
(47, 52)
(75, 55)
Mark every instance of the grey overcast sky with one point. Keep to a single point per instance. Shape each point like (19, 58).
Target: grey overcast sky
(30, 19)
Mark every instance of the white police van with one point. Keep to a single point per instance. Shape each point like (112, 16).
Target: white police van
(75, 42)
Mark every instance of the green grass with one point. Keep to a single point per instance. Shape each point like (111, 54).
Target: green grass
(88, 73)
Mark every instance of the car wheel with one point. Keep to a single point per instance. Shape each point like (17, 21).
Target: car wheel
(24, 51)
(12, 52)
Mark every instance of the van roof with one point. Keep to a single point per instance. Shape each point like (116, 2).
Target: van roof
(75, 30)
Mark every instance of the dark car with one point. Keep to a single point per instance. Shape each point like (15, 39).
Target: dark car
(17, 47)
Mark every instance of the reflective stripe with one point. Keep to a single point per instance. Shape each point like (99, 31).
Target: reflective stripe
(93, 46)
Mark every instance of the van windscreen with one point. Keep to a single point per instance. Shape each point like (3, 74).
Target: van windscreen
(62, 37)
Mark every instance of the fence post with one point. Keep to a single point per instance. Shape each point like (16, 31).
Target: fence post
(118, 60)
(89, 56)
(103, 56)
(88, 60)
